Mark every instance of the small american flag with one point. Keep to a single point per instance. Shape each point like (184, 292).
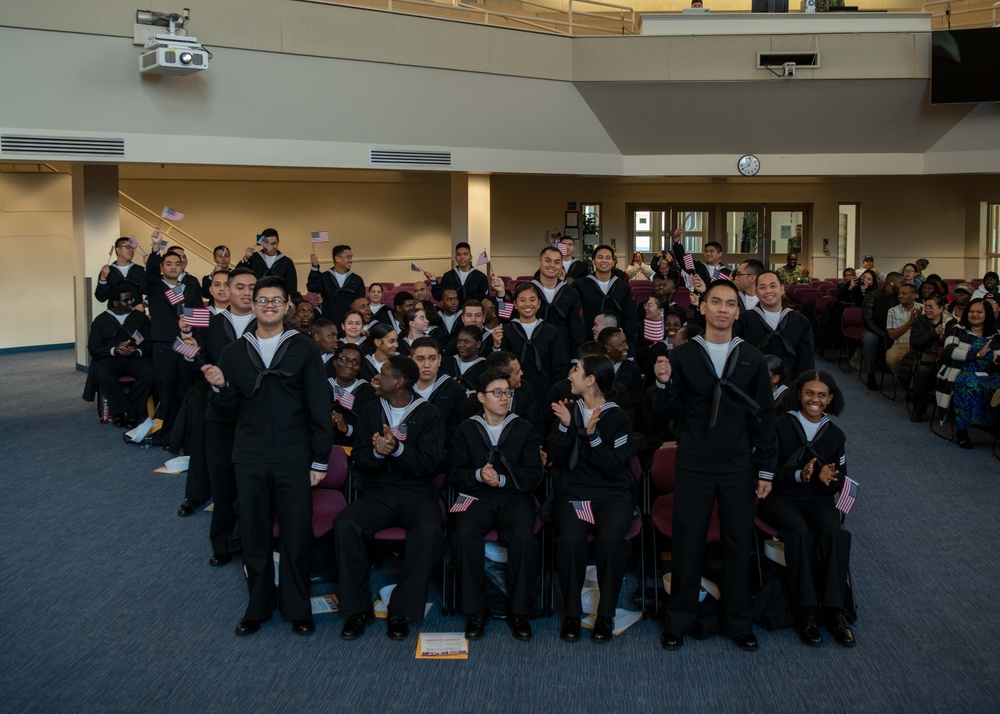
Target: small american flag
(164, 243)
(342, 396)
(171, 215)
(175, 294)
(415, 268)
(689, 281)
(133, 243)
(462, 503)
(136, 338)
(848, 495)
(562, 248)
(261, 240)
(320, 237)
(722, 276)
(398, 432)
(483, 258)
(197, 316)
(583, 511)
(688, 263)
(652, 330)
(183, 348)
(505, 310)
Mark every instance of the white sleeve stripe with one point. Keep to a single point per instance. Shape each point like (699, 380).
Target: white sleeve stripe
(317, 466)
(621, 441)
(595, 440)
(765, 476)
(563, 429)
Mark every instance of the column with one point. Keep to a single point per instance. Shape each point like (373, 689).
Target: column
(470, 212)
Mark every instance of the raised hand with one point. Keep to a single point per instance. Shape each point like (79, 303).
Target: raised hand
(314, 260)
(213, 375)
(828, 474)
(497, 286)
(561, 412)
(662, 370)
(807, 471)
(592, 422)
(104, 272)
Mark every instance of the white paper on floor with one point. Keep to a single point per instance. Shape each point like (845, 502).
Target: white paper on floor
(624, 619)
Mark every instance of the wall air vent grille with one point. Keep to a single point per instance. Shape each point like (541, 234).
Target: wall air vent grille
(61, 145)
(381, 157)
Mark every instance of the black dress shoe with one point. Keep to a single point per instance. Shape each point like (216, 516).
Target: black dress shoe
(519, 627)
(220, 559)
(841, 631)
(475, 626)
(398, 627)
(188, 507)
(747, 643)
(808, 631)
(670, 641)
(120, 420)
(962, 437)
(354, 626)
(604, 629)
(303, 627)
(570, 631)
(246, 626)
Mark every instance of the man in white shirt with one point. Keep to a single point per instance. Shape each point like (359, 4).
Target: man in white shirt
(897, 326)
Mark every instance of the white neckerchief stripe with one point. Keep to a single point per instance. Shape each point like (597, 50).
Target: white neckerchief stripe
(387, 409)
(253, 340)
(503, 425)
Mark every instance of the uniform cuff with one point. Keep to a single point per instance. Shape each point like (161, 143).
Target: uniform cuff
(399, 450)
(798, 476)
(595, 440)
(765, 476)
(318, 466)
(563, 429)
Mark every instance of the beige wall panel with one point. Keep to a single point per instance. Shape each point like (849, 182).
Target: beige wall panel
(711, 58)
(871, 57)
(306, 29)
(530, 54)
(432, 43)
(32, 193)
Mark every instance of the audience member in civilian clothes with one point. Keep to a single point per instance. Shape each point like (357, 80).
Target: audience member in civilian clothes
(666, 268)
(926, 340)
(338, 286)
(324, 334)
(868, 263)
(777, 330)
(346, 365)
(717, 389)
(638, 269)
(928, 288)
(602, 291)
(115, 354)
(968, 381)
(273, 382)
(538, 346)
(466, 364)
(963, 296)
(222, 258)
(272, 262)
(398, 443)
(384, 341)
(169, 369)
(122, 269)
(496, 461)
(218, 290)
(562, 390)
(874, 312)
(627, 372)
(572, 269)
(989, 285)
(909, 272)
(375, 292)
(897, 327)
(590, 449)
(523, 401)
(812, 464)
(668, 256)
(848, 287)
(468, 282)
(217, 437)
(354, 331)
(439, 389)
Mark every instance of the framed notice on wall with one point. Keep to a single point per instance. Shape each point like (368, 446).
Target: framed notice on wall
(572, 219)
(573, 233)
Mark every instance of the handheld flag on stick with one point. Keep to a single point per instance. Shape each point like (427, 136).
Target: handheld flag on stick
(197, 316)
(320, 237)
(186, 350)
(133, 243)
(848, 495)
(171, 215)
(341, 395)
(583, 511)
(175, 294)
(688, 263)
(415, 268)
(462, 503)
(652, 330)
(261, 240)
(136, 338)
(562, 248)
(505, 310)
(399, 432)
(483, 258)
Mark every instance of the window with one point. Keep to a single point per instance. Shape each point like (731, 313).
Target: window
(993, 236)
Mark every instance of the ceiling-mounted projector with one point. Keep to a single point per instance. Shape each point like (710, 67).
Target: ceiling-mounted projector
(170, 53)
(173, 54)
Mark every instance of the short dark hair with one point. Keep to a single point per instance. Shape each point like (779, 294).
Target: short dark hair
(791, 399)
(338, 249)
(604, 246)
(608, 313)
(175, 250)
(607, 333)
(713, 244)
(217, 248)
(122, 287)
(548, 248)
(269, 233)
(716, 284)
(406, 369)
(401, 297)
(472, 332)
(348, 347)
(380, 330)
(488, 376)
(463, 244)
(223, 271)
(124, 240)
(500, 360)
(590, 347)
(472, 303)
(321, 323)
(241, 270)
(379, 285)
(271, 281)
(449, 290)
(689, 331)
(769, 272)
(525, 287)
(425, 342)
(753, 267)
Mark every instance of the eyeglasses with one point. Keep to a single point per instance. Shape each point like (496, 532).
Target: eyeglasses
(500, 393)
(349, 360)
(276, 301)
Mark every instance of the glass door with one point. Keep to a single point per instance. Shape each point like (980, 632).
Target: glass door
(784, 228)
(742, 235)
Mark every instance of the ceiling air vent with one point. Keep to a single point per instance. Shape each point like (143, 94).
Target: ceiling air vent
(380, 157)
(802, 60)
(61, 146)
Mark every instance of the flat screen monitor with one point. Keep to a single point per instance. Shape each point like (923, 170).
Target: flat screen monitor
(965, 66)
(770, 5)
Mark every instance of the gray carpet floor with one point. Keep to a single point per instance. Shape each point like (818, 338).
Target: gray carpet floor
(107, 603)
